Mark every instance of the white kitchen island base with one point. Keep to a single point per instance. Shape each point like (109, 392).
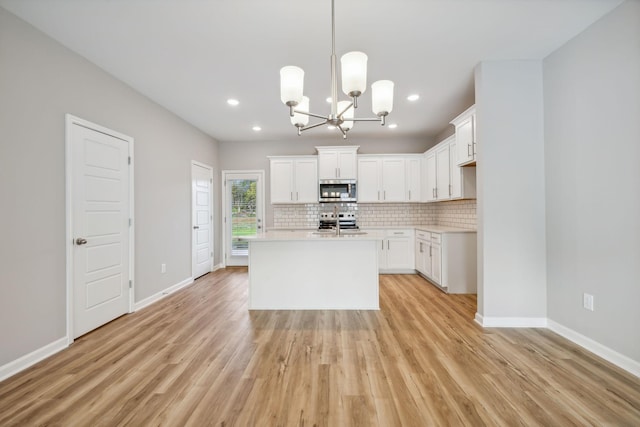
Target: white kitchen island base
(325, 273)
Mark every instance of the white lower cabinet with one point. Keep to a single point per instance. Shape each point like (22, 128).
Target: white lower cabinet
(447, 259)
(396, 253)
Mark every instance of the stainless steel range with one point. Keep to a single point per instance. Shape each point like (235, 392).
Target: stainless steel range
(330, 220)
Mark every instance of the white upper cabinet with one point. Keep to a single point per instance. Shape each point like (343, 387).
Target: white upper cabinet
(294, 179)
(465, 125)
(337, 162)
(444, 179)
(443, 188)
(413, 166)
(382, 179)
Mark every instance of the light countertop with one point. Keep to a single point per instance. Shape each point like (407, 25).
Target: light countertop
(430, 228)
(283, 236)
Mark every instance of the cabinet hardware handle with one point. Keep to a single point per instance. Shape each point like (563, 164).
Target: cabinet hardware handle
(378, 194)
(430, 248)
(297, 197)
(81, 241)
(388, 241)
(409, 194)
(195, 227)
(291, 196)
(382, 245)
(468, 150)
(339, 172)
(474, 148)
(420, 247)
(449, 190)
(384, 194)
(336, 171)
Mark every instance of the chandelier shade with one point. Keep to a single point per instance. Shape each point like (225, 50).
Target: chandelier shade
(354, 73)
(382, 97)
(291, 84)
(347, 111)
(300, 119)
(354, 84)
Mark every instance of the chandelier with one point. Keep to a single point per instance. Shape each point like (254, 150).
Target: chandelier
(354, 83)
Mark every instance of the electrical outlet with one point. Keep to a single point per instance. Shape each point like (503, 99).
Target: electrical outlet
(587, 301)
(163, 268)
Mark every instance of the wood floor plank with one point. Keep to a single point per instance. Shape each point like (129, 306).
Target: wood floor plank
(200, 357)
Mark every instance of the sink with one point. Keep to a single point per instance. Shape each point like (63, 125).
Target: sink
(352, 232)
(324, 232)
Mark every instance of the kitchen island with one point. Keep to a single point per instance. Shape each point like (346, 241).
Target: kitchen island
(304, 270)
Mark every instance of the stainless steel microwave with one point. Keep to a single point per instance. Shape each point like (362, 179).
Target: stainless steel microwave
(337, 190)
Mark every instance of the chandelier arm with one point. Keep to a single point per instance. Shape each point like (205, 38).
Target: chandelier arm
(313, 126)
(344, 134)
(306, 113)
(339, 116)
(368, 119)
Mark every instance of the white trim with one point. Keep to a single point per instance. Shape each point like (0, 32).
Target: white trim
(32, 358)
(217, 267)
(608, 354)
(211, 235)
(158, 296)
(71, 120)
(223, 198)
(511, 322)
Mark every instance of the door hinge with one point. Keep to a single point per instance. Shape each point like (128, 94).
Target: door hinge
(130, 222)
(130, 285)
(211, 180)
(129, 160)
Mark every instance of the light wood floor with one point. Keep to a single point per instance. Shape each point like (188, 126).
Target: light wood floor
(199, 357)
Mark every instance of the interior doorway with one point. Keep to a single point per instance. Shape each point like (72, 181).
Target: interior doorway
(99, 193)
(201, 219)
(243, 212)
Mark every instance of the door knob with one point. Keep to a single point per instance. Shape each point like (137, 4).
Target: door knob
(81, 241)
(195, 227)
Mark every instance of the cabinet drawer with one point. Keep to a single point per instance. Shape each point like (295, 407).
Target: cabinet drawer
(423, 235)
(399, 233)
(436, 238)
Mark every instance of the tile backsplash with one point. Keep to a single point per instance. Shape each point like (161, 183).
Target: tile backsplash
(458, 213)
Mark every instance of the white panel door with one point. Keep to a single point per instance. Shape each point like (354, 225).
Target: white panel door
(100, 226)
(201, 220)
(393, 180)
(243, 213)
(368, 180)
(306, 180)
(443, 191)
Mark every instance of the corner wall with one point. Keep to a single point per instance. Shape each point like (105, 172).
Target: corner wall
(510, 191)
(41, 81)
(592, 150)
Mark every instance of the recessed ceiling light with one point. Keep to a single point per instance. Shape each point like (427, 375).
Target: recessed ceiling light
(233, 102)
(393, 125)
(413, 97)
(257, 128)
(329, 100)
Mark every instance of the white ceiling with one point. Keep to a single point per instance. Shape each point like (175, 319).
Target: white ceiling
(191, 55)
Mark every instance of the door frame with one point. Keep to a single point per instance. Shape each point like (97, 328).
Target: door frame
(223, 217)
(213, 249)
(70, 121)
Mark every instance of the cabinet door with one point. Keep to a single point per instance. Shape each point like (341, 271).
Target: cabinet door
(281, 181)
(399, 254)
(422, 256)
(465, 141)
(347, 164)
(443, 191)
(327, 164)
(393, 180)
(431, 177)
(455, 173)
(413, 180)
(368, 180)
(436, 263)
(306, 181)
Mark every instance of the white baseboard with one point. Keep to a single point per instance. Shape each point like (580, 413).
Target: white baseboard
(511, 322)
(157, 297)
(596, 348)
(32, 358)
(217, 267)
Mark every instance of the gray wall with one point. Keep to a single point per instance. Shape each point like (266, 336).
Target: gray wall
(510, 185)
(592, 149)
(40, 81)
(253, 155)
